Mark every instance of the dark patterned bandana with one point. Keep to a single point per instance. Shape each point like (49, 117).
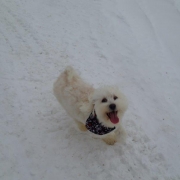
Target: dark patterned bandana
(94, 126)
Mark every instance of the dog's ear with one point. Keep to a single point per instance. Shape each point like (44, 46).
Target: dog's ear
(92, 99)
(93, 112)
(85, 107)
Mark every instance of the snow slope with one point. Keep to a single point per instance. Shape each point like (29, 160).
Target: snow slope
(132, 43)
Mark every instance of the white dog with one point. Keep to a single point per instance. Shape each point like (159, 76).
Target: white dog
(98, 110)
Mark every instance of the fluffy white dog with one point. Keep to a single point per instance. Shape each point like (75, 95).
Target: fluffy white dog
(99, 111)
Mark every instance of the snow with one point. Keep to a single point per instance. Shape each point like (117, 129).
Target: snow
(130, 43)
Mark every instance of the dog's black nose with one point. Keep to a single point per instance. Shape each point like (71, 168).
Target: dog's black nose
(112, 106)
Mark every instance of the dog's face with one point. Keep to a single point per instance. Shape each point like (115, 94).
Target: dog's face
(109, 105)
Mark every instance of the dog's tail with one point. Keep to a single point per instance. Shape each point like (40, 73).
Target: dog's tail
(71, 74)
(67, 77)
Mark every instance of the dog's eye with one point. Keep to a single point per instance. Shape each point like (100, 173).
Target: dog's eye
(104, 100)
(115, 97)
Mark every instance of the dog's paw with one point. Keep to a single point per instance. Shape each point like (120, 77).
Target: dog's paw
(110, 139)
(81, 126)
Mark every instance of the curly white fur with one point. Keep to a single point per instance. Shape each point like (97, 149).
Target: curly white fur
(80, 99)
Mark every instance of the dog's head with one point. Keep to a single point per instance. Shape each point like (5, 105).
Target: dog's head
(109, 105)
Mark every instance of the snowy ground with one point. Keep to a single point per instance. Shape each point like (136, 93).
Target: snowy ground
(132, 43)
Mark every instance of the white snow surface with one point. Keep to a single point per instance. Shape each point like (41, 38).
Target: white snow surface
(134, 44)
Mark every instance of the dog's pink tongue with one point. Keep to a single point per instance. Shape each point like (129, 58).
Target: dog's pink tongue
(113, 117)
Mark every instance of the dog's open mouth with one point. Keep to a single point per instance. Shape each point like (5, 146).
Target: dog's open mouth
(113, 117)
